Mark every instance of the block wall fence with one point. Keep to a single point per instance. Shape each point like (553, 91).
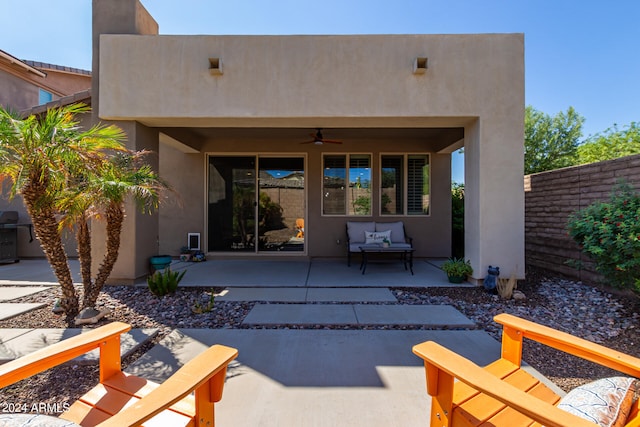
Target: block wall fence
(551, 197)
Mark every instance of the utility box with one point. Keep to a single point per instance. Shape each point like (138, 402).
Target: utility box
(8, 236)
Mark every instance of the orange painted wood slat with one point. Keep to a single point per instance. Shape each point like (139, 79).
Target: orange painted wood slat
(482, 408)
(542, 392)
(107, 402)
(191, 376)
(108, 399)
(471, 374)
(508, 417)
(573, 345)
(84, 415)
(140, 387)
(58, 353)
(500, 368)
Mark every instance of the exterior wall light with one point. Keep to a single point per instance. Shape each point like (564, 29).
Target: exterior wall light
(420, 65)
(215, 66)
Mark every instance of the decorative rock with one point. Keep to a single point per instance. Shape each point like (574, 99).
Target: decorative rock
(89, 316)
(519, 295)
(57, 308)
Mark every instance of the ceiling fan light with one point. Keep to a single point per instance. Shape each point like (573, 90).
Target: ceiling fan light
(317, 142)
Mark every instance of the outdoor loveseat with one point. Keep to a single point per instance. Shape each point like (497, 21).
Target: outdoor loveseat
(360, 233)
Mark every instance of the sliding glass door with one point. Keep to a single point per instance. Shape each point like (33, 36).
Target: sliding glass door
(241, 219)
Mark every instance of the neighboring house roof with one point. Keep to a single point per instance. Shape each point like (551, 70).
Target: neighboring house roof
(53, 67)
(20, 63)
(82, 96)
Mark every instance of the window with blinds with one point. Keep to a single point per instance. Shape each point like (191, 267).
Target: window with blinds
(391, 185)
(404, 178)
(417, 185)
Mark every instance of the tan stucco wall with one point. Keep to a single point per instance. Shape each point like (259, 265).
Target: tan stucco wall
(185, 173)
(277, 77)
(472, 81)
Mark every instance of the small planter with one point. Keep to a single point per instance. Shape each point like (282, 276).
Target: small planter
(457, 279)
(160, 262)
(457, 269)
(185, 257)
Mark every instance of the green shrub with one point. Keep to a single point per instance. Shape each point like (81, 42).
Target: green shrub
(164, 282)
(457, 267)
(609, 233)
(457, 220)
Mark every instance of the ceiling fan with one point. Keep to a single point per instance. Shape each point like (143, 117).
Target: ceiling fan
(318, 139)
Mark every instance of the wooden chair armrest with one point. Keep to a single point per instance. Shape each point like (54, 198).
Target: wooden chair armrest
(63, 351)
(204, 374)
(438, 359)
(569, 344)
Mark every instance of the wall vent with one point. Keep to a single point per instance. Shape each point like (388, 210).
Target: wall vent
(215, 66)
(420, 65)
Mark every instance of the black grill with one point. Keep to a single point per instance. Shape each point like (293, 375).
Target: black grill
(9, 236)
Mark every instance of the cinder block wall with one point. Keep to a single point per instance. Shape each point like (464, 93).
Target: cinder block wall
(550, 197)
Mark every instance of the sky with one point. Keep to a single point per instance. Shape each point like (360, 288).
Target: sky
(579, 53)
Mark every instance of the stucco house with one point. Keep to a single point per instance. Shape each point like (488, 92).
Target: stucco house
(25, 84)
(258, 132)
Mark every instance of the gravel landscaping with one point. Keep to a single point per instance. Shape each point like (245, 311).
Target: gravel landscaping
(589, 312)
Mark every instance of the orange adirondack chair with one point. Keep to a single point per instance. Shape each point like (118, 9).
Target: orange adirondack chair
(503, 394)
(126, 400)
(300, 227)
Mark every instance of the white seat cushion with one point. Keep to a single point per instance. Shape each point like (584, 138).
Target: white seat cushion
(356, 229)
(397, 230)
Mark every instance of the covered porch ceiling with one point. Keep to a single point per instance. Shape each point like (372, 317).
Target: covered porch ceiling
(191, 139)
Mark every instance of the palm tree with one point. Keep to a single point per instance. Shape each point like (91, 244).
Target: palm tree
(122, 175)
(41, 155)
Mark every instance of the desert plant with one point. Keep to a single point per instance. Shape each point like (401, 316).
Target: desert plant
(609, 233)
(457, 267)
(200, 308)
(505, 286)
(164, 282)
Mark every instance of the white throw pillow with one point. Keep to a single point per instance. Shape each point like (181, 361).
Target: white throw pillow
(377, 236)
(605, 402)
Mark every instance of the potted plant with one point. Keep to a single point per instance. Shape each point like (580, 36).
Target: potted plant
(160, 262)
(185, 253)
(457, 269)
(164, 282)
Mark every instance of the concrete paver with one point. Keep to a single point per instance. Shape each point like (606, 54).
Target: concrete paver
(263, 294)
(8, 293)
(358, 314)
(307, 294)
(350, 295)
(8, 310)
(434, 316)
(301, 314)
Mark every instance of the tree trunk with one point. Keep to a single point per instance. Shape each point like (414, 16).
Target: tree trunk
(83, 238)
(46, 229)
(115, 216)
